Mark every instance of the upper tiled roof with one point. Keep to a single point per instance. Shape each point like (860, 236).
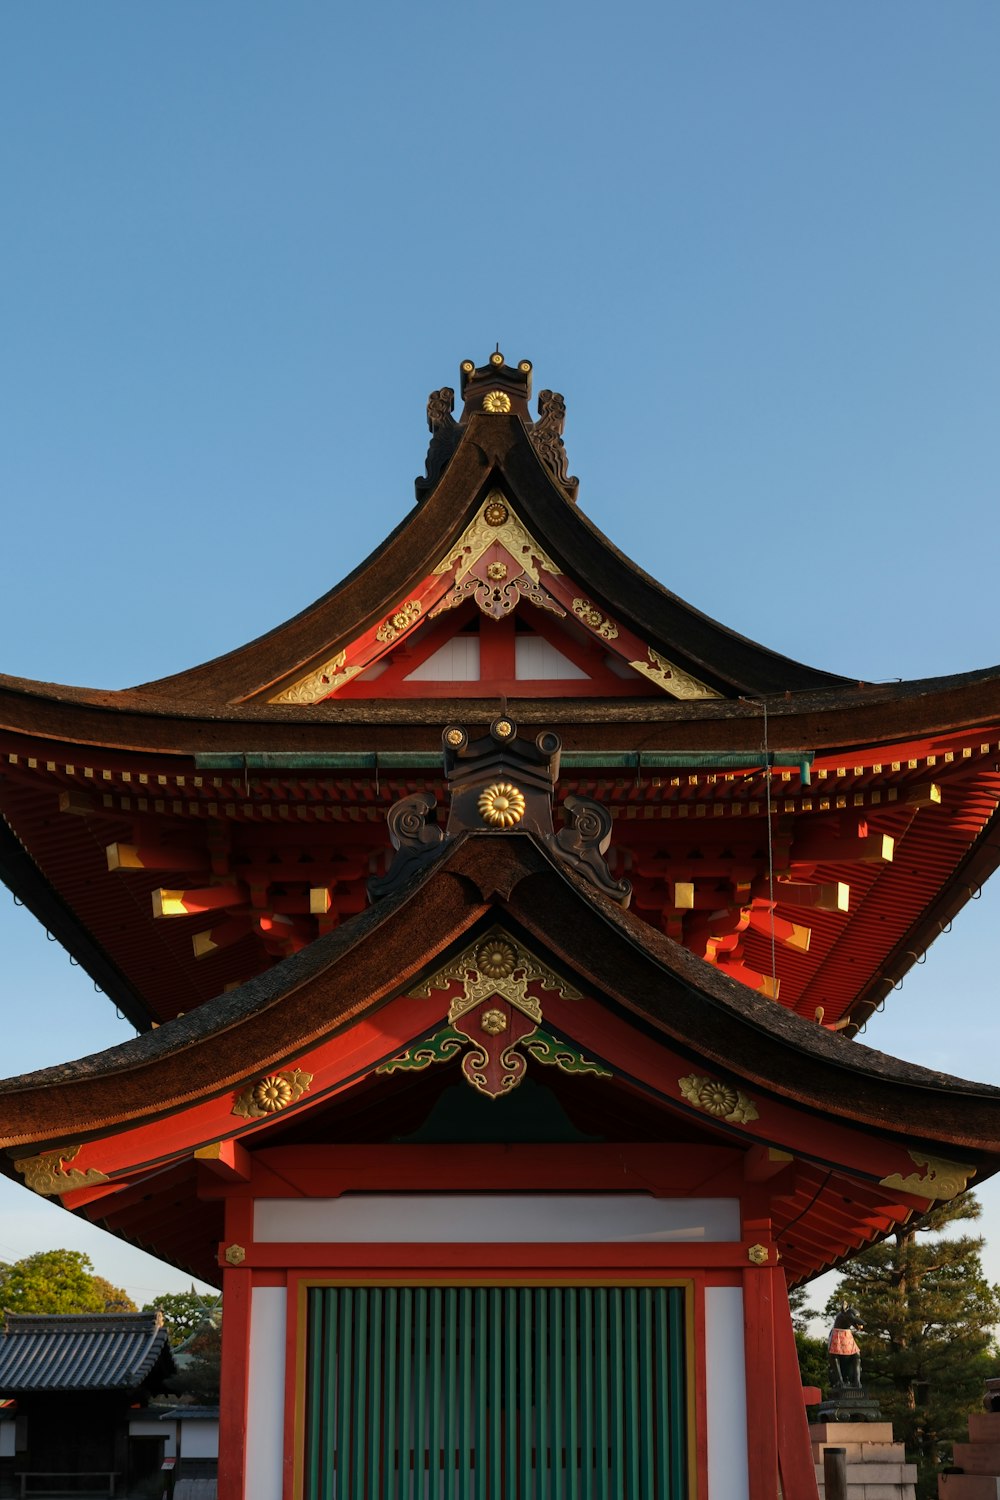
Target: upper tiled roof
(81, 1352)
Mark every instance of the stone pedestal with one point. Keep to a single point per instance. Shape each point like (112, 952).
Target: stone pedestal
(978, 1461)
(876, 1466)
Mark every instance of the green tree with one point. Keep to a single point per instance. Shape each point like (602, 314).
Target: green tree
(58, 1281)
(184, 1313)
(928, 1312)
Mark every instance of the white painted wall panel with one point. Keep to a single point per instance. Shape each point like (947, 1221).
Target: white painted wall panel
(266, 1396)
(201, 1439)
(456, 661)
(536, 659)
(726, 1394)
(468, 1218)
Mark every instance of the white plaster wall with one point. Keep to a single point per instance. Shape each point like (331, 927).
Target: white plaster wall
(726, 1394)
(266, 1396)
(200, 1439)
(467, 1218)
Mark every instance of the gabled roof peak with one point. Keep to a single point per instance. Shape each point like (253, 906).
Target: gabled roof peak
(496, 390)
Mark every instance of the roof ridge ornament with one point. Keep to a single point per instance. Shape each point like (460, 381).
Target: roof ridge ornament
(500, 784)
(496, 389)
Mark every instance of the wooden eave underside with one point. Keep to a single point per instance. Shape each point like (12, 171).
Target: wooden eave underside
(644, 985)
(61, 875)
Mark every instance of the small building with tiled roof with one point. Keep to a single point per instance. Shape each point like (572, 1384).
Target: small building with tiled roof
(74, 1379)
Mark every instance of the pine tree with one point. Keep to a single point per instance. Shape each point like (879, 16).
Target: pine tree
(928, 1312)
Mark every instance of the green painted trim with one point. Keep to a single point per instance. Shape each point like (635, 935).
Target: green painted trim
(283, 761)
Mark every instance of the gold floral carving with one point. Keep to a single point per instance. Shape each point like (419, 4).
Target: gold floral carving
(501, 805)
(496, 965)
(496, 522)
(718, 1099)
(396, 624)
(758, 1255)
(671, 678)
(271, 1093)
(47, 1175)
(942, 1178)
(235, 1255)
(497, 571)
(497, 402)
(594, 620)
(319, 684)
(493, 1022)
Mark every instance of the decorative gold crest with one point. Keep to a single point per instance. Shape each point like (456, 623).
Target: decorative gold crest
(496, 513)
(501, 804)
(270, 1094)
(593, 619)
(405, 616)
(758, 1255)
(495, 965)
(497, 402)
(235, 1255)
(672, 679)
(718, 1099)
(942, 1178)
(493, 1022)
(45, 1174)
(496, 522)
(320, 683)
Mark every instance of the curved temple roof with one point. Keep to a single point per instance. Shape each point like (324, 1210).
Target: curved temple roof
(256, 778)
(650, 1027)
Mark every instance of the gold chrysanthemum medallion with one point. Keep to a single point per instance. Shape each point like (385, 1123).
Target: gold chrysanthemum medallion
(501, 805)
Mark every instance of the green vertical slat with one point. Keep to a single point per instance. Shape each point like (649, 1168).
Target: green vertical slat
(646, 1426)
(616, 1402)
(466, 1436)
(677, 1394)
(587, 1361)
(558, 1488)
(358, 1486)
(376, 1369)
(526, 1424)
(631, 1390)
(331, 1299)
(390, 1439)
(572, 1380)
(420, 1393)
(345, 1393)
(482, 1360)
(663, 1387)
(510, 1411)
(542, 1393)
(494, 1411)
(434, 1443)
(450, 1390)
(603, 1397)
(404, 1422)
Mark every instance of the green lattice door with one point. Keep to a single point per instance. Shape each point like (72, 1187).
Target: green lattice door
(510, 1393)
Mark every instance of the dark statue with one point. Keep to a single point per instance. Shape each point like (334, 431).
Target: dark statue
(845, 1356)
(847, 1400)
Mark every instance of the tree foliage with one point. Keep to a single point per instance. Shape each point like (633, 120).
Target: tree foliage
(59, 1281)
(929, 1313)
(184, 1313)
(811, 1350)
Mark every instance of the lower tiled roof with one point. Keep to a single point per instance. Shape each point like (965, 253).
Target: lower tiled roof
(80, 1352)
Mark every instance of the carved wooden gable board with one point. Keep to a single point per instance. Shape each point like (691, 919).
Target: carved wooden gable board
(496, 615)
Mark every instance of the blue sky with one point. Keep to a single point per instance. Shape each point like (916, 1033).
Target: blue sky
(755, 246)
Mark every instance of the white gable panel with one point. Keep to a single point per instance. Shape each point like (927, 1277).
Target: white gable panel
(535, 659)
(456, 661)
